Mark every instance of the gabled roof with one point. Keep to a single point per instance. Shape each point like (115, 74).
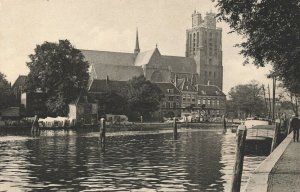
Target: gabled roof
(20, 81)
(209, 90)
(165, 86)
(184, 85)
(117, 73)
(179, 64)
(144, 57)
(98, 86)
(108, 57)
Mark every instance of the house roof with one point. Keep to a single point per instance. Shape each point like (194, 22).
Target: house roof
(184, 85)
(108, 57)
(117, 73)
(98, 85)
(20, 81)
(179, 64)
(165, 86)
(209, 90)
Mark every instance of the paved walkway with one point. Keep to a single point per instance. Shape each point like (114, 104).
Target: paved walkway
(285, 175)
(280, 172)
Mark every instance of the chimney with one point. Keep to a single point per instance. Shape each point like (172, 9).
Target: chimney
(107, 79)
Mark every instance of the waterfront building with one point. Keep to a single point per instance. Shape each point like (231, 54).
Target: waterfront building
(171, 101)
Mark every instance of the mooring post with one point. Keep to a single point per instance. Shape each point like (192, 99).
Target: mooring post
(175, 129)
(102, 131)
(239, 159)
(275, 136)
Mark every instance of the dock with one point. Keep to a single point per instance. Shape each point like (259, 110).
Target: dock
(280, 171)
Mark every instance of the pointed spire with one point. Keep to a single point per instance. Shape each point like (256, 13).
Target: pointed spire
(137, 46)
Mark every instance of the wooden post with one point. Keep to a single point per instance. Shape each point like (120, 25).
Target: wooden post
(141, 119)
(175, 129)
(239, 159)
(102, 131)
(275, 136)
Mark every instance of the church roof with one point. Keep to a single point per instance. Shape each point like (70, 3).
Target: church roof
(179, 64)
(108, 58)
(117, 73)
(145, 56)
(209, 90)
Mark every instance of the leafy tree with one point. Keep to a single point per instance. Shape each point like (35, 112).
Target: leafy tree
(271, 33)
(114, 103)
(143, 97)
(60, 71)
(246, 99)
(5, 95)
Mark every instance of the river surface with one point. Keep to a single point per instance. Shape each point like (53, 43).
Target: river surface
(199, 160)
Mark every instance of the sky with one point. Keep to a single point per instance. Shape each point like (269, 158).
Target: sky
(108, 25)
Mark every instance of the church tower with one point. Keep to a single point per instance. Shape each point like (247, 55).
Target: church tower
(137, 46)
(204, 44)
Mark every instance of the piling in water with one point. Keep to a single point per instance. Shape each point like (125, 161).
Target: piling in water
(102, 131)
(239, 159)
(275, 140)
(175, 129)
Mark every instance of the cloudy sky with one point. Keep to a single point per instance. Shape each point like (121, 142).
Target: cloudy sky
(110, 25)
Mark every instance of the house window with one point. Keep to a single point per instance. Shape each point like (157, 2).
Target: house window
(170, 90)
(188, 97)
(199, 102)
(171, 105)
(209, 74)
(168, 105)
(171, 98)
(183, 97)
(208, 101)
(218, 102)
(193, 97)
(177, 104)
(212, 102)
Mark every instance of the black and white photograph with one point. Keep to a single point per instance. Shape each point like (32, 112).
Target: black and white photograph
(150, 95)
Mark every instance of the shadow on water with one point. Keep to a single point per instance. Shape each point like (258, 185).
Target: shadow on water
(198, 160)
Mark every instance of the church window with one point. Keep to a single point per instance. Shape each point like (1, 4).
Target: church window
(210, 61)
(197, 39)
(209, 73)
(214, 74)
(205, 73)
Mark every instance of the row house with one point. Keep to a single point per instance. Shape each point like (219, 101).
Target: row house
(171, 102)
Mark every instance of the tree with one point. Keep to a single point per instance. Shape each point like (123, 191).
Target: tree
(60, 71)
(247, 99)
(114, 103)
(5, 95)
(143, 97)
(271, 33)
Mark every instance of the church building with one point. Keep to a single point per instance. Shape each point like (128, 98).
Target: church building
(201, 65)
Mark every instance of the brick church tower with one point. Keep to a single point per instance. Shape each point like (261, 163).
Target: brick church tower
(204, 44)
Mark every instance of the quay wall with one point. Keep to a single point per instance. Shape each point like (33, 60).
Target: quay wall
(259, 181)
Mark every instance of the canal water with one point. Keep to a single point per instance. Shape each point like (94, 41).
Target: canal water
(199, 160)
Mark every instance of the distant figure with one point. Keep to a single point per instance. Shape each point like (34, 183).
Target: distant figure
(294, 125)
(35, 125)
(224, 123)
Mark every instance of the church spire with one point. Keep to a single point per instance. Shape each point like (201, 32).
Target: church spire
(137, 46)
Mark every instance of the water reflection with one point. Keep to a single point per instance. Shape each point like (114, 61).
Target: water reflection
(68, 160)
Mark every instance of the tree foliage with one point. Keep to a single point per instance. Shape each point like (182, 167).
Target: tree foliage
(60, 71)
(271, 31)
(247, 99)
(143, 96)
(115, 103)
(5, 95)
